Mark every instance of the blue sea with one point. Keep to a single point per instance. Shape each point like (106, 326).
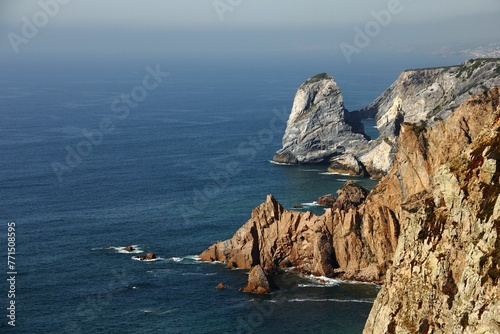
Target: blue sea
(178, 167)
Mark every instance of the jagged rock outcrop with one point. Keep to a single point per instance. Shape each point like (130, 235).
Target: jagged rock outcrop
(446, 267)
(334, 244)
(351, 195)
(259, 282)
(317, 128)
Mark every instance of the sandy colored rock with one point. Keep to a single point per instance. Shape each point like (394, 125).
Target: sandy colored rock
(329, 245)
(221, 286)
(446, 268)
(347, 164)
(259, 282)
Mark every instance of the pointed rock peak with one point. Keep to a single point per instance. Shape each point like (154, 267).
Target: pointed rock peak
(270, 199)
(259, 281)
(272, 205)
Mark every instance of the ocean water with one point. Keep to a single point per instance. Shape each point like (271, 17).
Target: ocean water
(183, 169)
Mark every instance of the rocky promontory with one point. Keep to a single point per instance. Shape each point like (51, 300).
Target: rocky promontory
(335, 244)
(320, 129)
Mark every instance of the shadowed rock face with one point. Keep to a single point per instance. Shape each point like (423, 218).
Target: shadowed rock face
(317, 128)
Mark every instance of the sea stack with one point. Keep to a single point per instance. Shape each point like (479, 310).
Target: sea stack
(317, 128)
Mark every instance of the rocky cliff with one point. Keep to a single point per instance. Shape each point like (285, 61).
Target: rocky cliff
(422, 97)
(446, 268)
(317, 128)
(430, 230)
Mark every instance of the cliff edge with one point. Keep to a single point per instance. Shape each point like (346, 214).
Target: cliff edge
(446, 268)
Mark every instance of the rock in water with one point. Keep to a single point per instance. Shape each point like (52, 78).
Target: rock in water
(259, 282)
(129, 249)
(317, 128)
(147, 256)
(221, 286)
(334, 244)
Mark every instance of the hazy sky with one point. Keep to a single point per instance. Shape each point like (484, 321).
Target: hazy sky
(243, 27)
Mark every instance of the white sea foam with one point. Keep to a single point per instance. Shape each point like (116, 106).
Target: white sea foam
(185, 258)
(154, 311)
(121, 249)
(320, 282)
(198, 274)
(313, 203)
(147, 260)
(335, 173)
(280, 163)
(334, 300)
